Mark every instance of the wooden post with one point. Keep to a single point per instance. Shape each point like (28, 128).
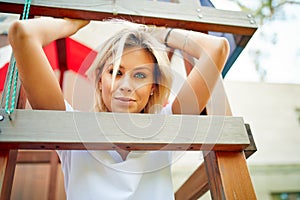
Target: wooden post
(228, 175)
(7, 169)
(62, 59)
(53, 175)
(8, 158)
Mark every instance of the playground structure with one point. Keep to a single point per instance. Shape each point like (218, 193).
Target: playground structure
(224, 170)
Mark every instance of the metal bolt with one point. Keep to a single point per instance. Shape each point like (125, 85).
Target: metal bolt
(200, 16)
(252, 21)
(198, 9)
(115, 11)
(249, 16)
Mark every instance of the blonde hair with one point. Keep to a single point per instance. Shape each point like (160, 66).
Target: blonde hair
(112, 50)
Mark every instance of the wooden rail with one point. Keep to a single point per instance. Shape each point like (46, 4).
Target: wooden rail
(34, 129)
(181, 15)
(222, 139)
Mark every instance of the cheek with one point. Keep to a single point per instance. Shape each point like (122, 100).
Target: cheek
(105, 84)
(106, 91)
(144, 91)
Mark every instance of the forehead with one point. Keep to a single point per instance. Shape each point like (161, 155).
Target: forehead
(137, 57)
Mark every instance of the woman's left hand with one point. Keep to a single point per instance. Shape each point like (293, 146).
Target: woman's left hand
(159, 32)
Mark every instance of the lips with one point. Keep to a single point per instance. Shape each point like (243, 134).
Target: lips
(124, 99)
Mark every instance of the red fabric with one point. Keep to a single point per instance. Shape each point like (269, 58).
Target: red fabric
(79, 56)
(3, 71)
(51, 53)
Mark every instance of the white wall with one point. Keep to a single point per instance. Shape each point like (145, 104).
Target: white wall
(270, 111)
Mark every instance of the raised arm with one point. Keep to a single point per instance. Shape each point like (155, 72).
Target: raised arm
(27, 39)
(211, 53)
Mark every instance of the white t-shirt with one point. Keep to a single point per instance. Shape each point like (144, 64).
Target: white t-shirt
(90, 174)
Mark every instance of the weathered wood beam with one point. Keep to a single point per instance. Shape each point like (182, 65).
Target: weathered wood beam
(8, 157)
(251, 149)
(228, 175)
(34, 156)
(180, 15)
(53, 175)
(34, 129)
(7, 170)
(195, 186)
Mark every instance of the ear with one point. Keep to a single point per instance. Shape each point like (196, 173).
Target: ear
(152, 89)
(100, 85)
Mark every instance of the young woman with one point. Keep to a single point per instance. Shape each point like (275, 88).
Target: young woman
(132, 75)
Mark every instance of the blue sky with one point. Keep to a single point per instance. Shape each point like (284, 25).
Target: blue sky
(280, 60)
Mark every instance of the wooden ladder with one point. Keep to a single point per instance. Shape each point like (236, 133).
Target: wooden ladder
(224, 171)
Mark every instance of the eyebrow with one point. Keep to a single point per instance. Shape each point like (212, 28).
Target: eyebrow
(138, 68)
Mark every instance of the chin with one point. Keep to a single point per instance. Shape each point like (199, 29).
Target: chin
(123, 110)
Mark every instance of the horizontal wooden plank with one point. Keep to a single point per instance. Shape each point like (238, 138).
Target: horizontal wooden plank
(180, 15)
(35, 129)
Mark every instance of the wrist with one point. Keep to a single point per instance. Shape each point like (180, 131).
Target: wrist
(166, 39)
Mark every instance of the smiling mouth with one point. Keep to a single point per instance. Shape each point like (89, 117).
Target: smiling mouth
(125, 99)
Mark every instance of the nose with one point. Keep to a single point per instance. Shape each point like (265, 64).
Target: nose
(125, 84)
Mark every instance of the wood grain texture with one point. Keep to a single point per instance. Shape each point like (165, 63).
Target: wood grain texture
(35, 129)
(180, 15)
(53, 175)
(8, 157)
(228, 175)
(7, 170)
(195, 186)
(34, 156)
(60, 130)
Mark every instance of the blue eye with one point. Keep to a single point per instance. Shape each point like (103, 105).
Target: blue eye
(140, 75)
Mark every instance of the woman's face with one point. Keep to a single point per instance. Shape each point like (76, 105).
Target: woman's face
(133, 85)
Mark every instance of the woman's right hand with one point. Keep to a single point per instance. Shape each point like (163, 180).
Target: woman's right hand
(27, 38)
